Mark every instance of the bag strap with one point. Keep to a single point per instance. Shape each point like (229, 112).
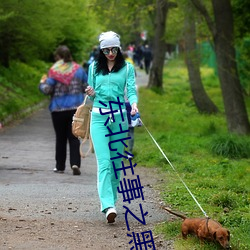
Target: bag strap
(91, 148)
(127, 72)
(127, 75)
(93, 70)
(126, 83)
(86, 138)
(93, 73)
(85, 99)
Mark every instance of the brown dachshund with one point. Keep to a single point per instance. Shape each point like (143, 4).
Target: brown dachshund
(204, 229)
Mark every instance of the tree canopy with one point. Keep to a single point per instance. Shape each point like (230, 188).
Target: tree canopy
(27, 32)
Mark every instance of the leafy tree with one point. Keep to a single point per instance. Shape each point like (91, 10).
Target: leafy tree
(78, 28)
(201, 99)
(156, 72)
(28, 33)
(175, 24)
(242, 33)
(126, 17)
(221, 28)
(241, 18)
(23, 33)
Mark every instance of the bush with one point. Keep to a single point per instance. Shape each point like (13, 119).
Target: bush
(224, 200)
(231, 146)
(19, 88)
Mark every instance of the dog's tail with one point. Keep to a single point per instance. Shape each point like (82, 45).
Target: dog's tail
(175, 213)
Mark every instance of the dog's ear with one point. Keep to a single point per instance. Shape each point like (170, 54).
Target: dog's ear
(228, 237)
(214, 235)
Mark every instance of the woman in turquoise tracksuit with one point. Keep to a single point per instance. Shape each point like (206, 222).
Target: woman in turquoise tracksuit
(108, 77)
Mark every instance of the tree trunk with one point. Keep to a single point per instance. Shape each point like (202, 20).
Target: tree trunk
(201, 99)
(159, 47)
(223, 38)
(235, 109)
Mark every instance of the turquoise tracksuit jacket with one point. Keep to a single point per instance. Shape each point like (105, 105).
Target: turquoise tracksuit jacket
(109, 87)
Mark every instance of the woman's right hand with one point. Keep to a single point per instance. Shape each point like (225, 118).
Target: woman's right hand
(90, 91)
(43, 79)
(134, 109)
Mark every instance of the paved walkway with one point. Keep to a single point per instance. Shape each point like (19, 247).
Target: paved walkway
(141, 78)
(29, 188)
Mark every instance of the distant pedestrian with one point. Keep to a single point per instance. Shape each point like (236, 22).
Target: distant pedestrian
(147, 54)
(65, 84)
(93, 55)
(138, 55)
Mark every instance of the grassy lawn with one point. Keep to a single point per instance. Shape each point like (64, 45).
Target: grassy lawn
(214, 164)
(19, 88)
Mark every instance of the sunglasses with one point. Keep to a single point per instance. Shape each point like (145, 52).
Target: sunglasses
(106, 51)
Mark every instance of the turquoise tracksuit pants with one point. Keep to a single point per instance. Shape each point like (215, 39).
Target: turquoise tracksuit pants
(106, 180)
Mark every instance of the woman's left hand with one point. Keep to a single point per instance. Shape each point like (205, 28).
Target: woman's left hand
(134, 109)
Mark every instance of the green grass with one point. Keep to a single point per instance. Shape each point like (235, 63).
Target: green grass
(214, 164)
(19, 88)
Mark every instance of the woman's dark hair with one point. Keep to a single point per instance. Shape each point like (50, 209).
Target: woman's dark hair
(102, 67)
(63, 52)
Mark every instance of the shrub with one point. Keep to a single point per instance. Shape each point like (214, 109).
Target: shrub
(223, 200)
(231, 146)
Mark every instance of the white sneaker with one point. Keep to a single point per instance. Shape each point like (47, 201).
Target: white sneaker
(58, 171)
(111, 214)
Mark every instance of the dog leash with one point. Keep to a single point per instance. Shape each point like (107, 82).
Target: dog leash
(175, 170)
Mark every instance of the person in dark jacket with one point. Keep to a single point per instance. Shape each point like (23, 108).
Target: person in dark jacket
(147, 54)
